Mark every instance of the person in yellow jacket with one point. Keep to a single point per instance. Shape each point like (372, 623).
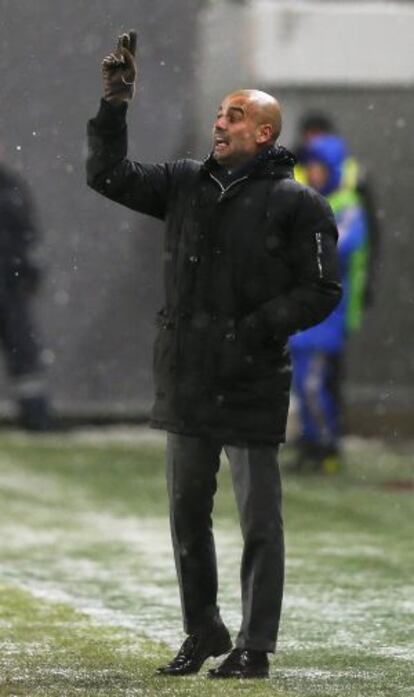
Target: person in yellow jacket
(354, 180)
(318, 353)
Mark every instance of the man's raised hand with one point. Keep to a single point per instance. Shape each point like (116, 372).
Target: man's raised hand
(119, 71)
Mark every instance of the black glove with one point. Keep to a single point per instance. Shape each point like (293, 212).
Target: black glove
(119, 71)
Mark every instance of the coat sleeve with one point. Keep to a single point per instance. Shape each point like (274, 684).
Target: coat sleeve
(142, 187)
(316, 288)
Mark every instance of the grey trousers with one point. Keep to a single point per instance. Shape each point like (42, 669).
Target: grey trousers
(192, 466)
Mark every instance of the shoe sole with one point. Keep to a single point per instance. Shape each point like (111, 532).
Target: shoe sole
(218, 676)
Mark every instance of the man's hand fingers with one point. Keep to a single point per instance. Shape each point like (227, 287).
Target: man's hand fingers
(115, 60)
(132, 42)
(110, 62)
(123, 42)
(129, 61)
(119, 71)
(112, 58)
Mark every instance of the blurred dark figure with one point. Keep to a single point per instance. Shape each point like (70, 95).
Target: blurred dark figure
(353, 178)
(19, 281)
(318, 353)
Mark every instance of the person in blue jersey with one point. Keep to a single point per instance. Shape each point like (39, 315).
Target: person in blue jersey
(318, 352)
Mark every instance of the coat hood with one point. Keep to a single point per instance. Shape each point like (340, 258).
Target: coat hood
(331, 151)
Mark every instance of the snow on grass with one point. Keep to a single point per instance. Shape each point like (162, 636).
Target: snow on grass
(63, 545)
(135, 588)
(120, 435)
(120, 571)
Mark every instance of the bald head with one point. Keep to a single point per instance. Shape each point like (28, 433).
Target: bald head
(264, 108)
(247, 121)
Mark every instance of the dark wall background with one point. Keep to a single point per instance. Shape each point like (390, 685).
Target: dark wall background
(103, 283)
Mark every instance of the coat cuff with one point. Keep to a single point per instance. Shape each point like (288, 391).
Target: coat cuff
(109, 116)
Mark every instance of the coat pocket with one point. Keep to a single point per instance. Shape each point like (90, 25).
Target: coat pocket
(235, 360)
(242, 360)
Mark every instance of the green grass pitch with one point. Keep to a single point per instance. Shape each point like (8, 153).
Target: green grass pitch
(88, 596)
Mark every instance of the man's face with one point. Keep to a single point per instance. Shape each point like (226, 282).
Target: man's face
(311, 133)
(317, 175)
(237, 134)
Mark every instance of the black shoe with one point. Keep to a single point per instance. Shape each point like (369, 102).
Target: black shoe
(195, 650)
(242, 663)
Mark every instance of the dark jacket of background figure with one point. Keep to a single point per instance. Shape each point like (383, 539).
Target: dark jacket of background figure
(19, 276)
(18, 234)
(245, 266)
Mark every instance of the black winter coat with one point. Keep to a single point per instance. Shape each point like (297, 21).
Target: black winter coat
(18, 235)
(245, 266)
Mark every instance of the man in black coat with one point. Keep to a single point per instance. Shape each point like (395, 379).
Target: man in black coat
(20, 276)
(249, 259)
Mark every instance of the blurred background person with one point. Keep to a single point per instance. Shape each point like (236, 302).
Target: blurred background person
(20, 278)
(354, 177)
(318, 352)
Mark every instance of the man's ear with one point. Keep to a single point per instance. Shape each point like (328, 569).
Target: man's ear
(264, 133)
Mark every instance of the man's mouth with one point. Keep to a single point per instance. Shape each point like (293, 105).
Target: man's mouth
(220, 141)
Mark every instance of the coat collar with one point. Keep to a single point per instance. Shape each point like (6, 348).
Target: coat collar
(272, 163)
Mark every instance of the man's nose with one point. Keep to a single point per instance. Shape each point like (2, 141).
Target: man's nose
(220, 123)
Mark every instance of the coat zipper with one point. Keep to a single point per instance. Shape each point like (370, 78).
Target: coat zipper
(223, 189)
